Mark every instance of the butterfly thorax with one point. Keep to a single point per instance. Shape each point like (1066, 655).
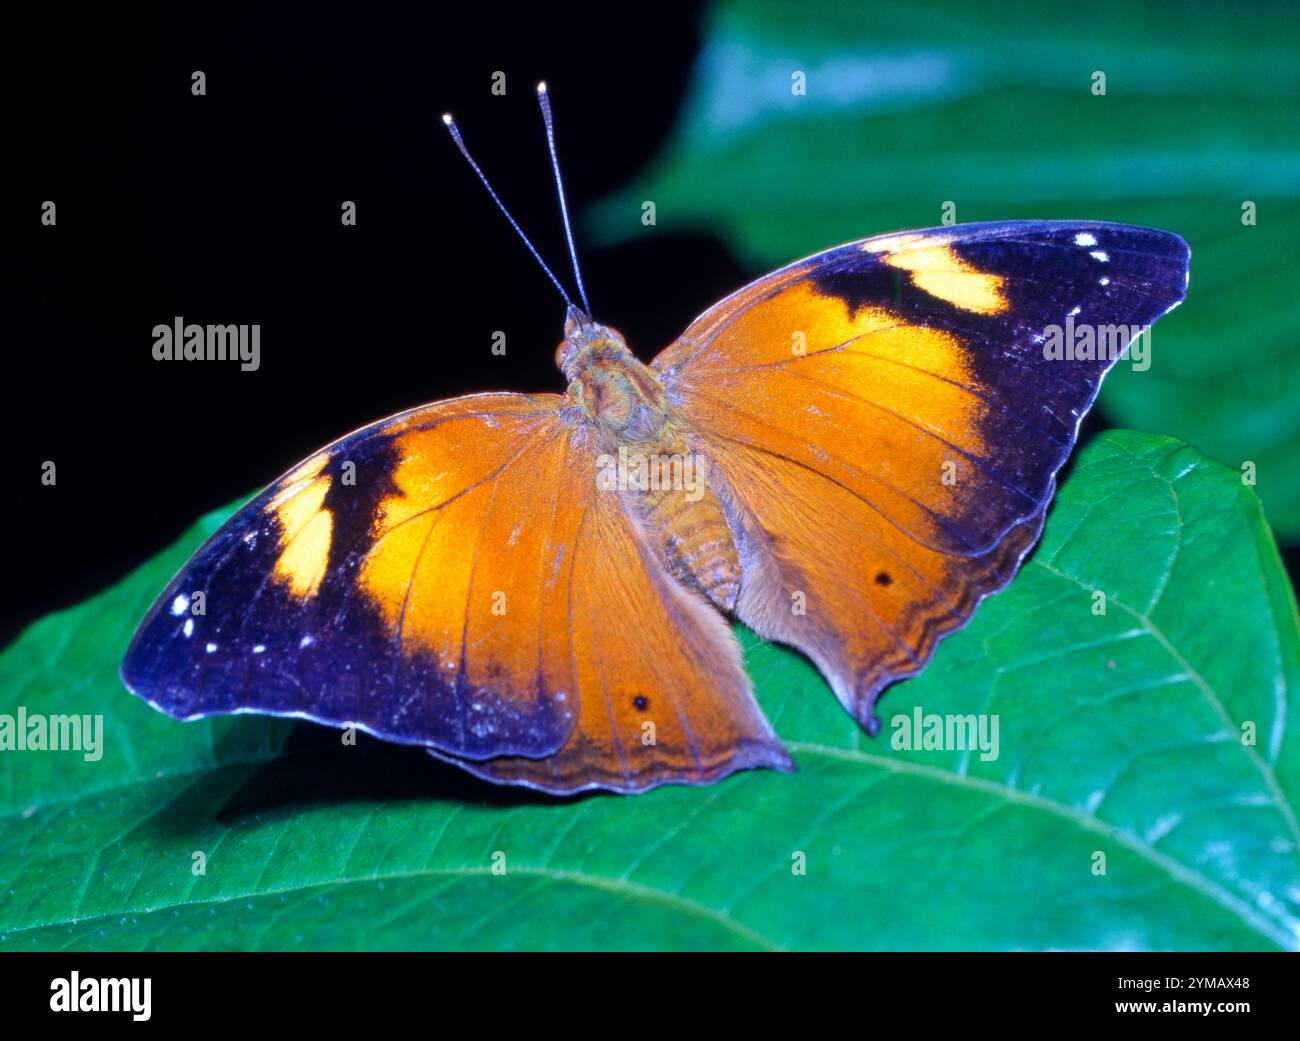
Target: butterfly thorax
(610, 386)
(647, 458)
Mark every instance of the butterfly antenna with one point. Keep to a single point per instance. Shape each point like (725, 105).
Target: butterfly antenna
(460, 143)
(544, 100)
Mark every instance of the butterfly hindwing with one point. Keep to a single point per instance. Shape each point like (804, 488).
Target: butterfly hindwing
(887, 419)
(824, 572)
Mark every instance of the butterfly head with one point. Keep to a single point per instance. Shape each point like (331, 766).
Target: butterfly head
(586, 342)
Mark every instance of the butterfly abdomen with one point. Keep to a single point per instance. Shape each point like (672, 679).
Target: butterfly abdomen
(681, 512)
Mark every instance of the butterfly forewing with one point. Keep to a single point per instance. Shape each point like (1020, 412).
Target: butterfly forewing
(358, 588)
(911, 368)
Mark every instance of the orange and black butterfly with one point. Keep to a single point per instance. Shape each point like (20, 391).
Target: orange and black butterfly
(847, 455)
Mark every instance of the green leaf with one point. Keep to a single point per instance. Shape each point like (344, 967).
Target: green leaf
(908, 108)
(1118, 734)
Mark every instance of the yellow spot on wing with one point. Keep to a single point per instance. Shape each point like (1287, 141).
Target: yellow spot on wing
(307, 527)
(305, 560)
(940, 272)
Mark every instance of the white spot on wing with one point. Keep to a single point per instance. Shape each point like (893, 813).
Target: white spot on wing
(1085, 238)
(180, 604)
(189, 627)
(1100, 254)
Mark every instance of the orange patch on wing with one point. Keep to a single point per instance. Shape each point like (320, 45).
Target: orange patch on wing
(444, 482)
(881, 404)
(470, 552)
(802, 322)
(892, 411)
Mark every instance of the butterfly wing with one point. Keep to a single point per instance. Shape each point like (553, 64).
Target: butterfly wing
(664, 695)
(453, 577)
(886, 420)
(356, 589)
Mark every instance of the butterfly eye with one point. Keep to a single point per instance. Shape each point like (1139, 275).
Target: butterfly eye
(559, 354)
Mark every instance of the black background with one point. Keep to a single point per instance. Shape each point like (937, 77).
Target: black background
(226, 209)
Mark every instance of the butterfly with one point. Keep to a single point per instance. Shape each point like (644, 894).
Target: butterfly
(847, 455)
